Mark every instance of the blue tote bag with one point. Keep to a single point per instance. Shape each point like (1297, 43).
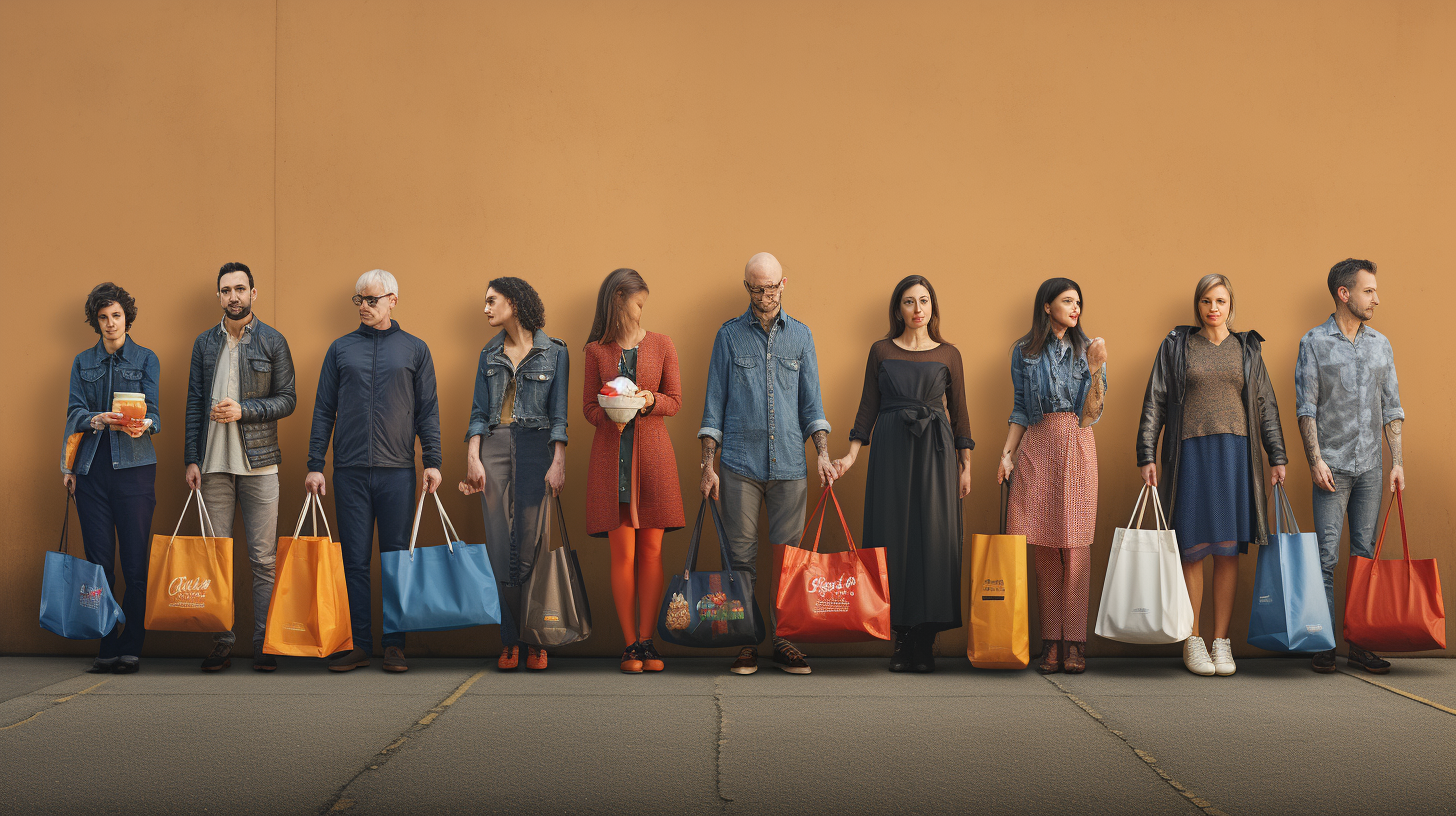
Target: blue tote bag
(1291, 613)
(75, 599)
(431, 589)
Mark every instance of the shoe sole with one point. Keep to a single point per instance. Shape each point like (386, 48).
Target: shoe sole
(226, 664)
(132, 670)
(1385, 670)
(743, 669)
(1211, 671)
(626, 670)
(650, 669)
(1222, 673)
(1323, 669)
(264, 668)
(396, 669)
(802, 670)
(350, 667)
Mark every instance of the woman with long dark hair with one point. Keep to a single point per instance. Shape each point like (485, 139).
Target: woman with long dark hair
(914, 405)
(1210, 398)
(109, 463)
(632, 494)
(1060, 380)
(516, 445)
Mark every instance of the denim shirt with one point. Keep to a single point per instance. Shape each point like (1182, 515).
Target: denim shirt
(541, 383)
(763, 397)
(1055, 380)
(95, 377)
(1350, 388)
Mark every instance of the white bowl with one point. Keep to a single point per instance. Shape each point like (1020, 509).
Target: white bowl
(621, 410)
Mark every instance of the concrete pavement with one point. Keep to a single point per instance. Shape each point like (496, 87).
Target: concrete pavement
(454, 736)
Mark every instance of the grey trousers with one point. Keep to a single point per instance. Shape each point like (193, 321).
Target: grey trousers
(257, 496)
(742, 500)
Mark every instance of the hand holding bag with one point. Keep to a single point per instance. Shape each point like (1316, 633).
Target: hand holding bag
(556, 611)
(308, 615)
(75, 599)
(1396, 605)
(431, 589)
(839, 597)
(1291, 613)
(1144, 598)
(708, 610)
(1000, 635)
(190, 579)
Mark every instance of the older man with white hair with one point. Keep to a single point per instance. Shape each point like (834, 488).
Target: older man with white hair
(376, 394)
(763, 402)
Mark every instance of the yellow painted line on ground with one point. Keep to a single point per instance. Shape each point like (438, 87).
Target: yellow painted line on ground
(1405, 694)
(449, 701)
(55, 703)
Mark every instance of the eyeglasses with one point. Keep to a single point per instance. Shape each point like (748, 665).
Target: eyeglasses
(370, 299)
(760, 291)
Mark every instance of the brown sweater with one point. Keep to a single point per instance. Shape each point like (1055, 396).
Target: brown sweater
(1215, 401)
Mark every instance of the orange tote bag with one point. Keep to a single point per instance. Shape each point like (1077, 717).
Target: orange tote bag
(999, 636)
(309, 613)
(1396, 605)
(837, 597)
(190, 579)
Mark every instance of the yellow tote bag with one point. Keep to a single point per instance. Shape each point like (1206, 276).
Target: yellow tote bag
(998, 631)
(309, 613)
(190, 579)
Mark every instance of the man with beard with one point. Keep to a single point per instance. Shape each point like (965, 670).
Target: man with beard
(1345, 389)
(240, 385)
(762, 402)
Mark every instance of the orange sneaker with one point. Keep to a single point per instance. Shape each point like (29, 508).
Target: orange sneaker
(535, 658)
(510, 657)
(651, 660)
(631, 660)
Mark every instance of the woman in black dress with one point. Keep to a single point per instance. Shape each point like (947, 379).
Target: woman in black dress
(920, 469)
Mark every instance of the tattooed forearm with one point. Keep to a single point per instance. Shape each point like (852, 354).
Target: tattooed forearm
(1310, 434)
(1392, 438)
(821, 442)
(710, 447)
(1092, 407)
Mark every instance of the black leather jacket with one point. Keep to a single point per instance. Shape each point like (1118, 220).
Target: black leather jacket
(1163, 411)
(266, 388)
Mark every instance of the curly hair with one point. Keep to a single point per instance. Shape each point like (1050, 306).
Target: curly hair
(530, 312)
(104, 295)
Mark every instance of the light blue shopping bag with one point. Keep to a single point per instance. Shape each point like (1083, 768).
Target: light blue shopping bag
(75, 600)
(1291, 612)
(431, 589)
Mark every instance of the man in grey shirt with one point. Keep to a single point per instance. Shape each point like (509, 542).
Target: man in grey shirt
(1345, 390)
(239, 386)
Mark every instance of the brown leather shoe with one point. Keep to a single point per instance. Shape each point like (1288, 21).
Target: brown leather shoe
(632, 659)
(394, 659)
(651, 660)
(510, 658)
(1076, 661)
(1051, 657)
(747, 662)
(346, 661)
(535, 658)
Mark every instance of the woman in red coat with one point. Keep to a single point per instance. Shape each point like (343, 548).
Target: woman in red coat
(632, 494)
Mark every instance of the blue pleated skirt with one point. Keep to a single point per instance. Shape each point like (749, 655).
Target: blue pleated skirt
(1215, 502)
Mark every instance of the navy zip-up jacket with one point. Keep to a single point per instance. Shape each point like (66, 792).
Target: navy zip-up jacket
(376, 393)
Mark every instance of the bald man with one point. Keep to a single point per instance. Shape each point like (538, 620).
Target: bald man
(762, 404)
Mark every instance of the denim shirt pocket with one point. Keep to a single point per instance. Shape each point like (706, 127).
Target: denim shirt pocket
(743, 368)
(533, 390)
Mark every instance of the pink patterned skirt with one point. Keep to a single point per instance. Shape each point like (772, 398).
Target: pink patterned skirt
(1054, 484)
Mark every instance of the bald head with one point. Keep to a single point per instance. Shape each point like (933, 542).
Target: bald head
(761, 269)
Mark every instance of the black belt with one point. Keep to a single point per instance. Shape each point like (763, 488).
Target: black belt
(918, 415)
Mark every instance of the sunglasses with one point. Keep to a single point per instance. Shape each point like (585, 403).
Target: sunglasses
(370, 299)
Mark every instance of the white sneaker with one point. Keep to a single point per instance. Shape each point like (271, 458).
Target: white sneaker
(1195, 656)
(1223, 657)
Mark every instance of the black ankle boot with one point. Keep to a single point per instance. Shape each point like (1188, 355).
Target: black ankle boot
(923, 657)
(900, 661)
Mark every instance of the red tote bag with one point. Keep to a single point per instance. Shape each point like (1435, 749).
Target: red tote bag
(839, 597)
(1394, 606)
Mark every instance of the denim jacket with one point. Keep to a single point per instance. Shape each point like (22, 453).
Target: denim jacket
(95, 377)
(1046, 384)
(541, 384)
(751, 376)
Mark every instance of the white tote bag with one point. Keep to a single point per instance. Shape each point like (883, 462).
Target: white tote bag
(1144, 598)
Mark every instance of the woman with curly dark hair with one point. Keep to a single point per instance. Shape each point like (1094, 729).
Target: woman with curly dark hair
(109, 464)
(516, 445)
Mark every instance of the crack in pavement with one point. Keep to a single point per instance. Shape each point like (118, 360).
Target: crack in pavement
(719, 740)
(1148, 759)
(338, 802)
(54, 703)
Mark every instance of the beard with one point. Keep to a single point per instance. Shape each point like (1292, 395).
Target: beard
(238, 312)
(1356, 313)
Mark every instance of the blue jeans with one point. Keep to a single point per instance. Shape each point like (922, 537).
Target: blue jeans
(1359, 496)
(115, 506)
(362, 497)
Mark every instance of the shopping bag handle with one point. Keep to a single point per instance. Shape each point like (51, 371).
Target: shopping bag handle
(1283, 509)
(1005, 502)
(314, 507)
(1136, 521)
(1405, 545)
(65, 524)
(819, 508)
(692, 562)
(203, 519)
(543, 525)
(448, 528)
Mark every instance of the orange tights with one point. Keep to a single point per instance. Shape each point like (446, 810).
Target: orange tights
(636, 577)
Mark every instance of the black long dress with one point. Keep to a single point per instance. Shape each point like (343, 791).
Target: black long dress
(914, 405)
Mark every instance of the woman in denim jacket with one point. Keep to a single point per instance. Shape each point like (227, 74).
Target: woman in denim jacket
(111, 466)
(1060, 379)
(516, 444)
